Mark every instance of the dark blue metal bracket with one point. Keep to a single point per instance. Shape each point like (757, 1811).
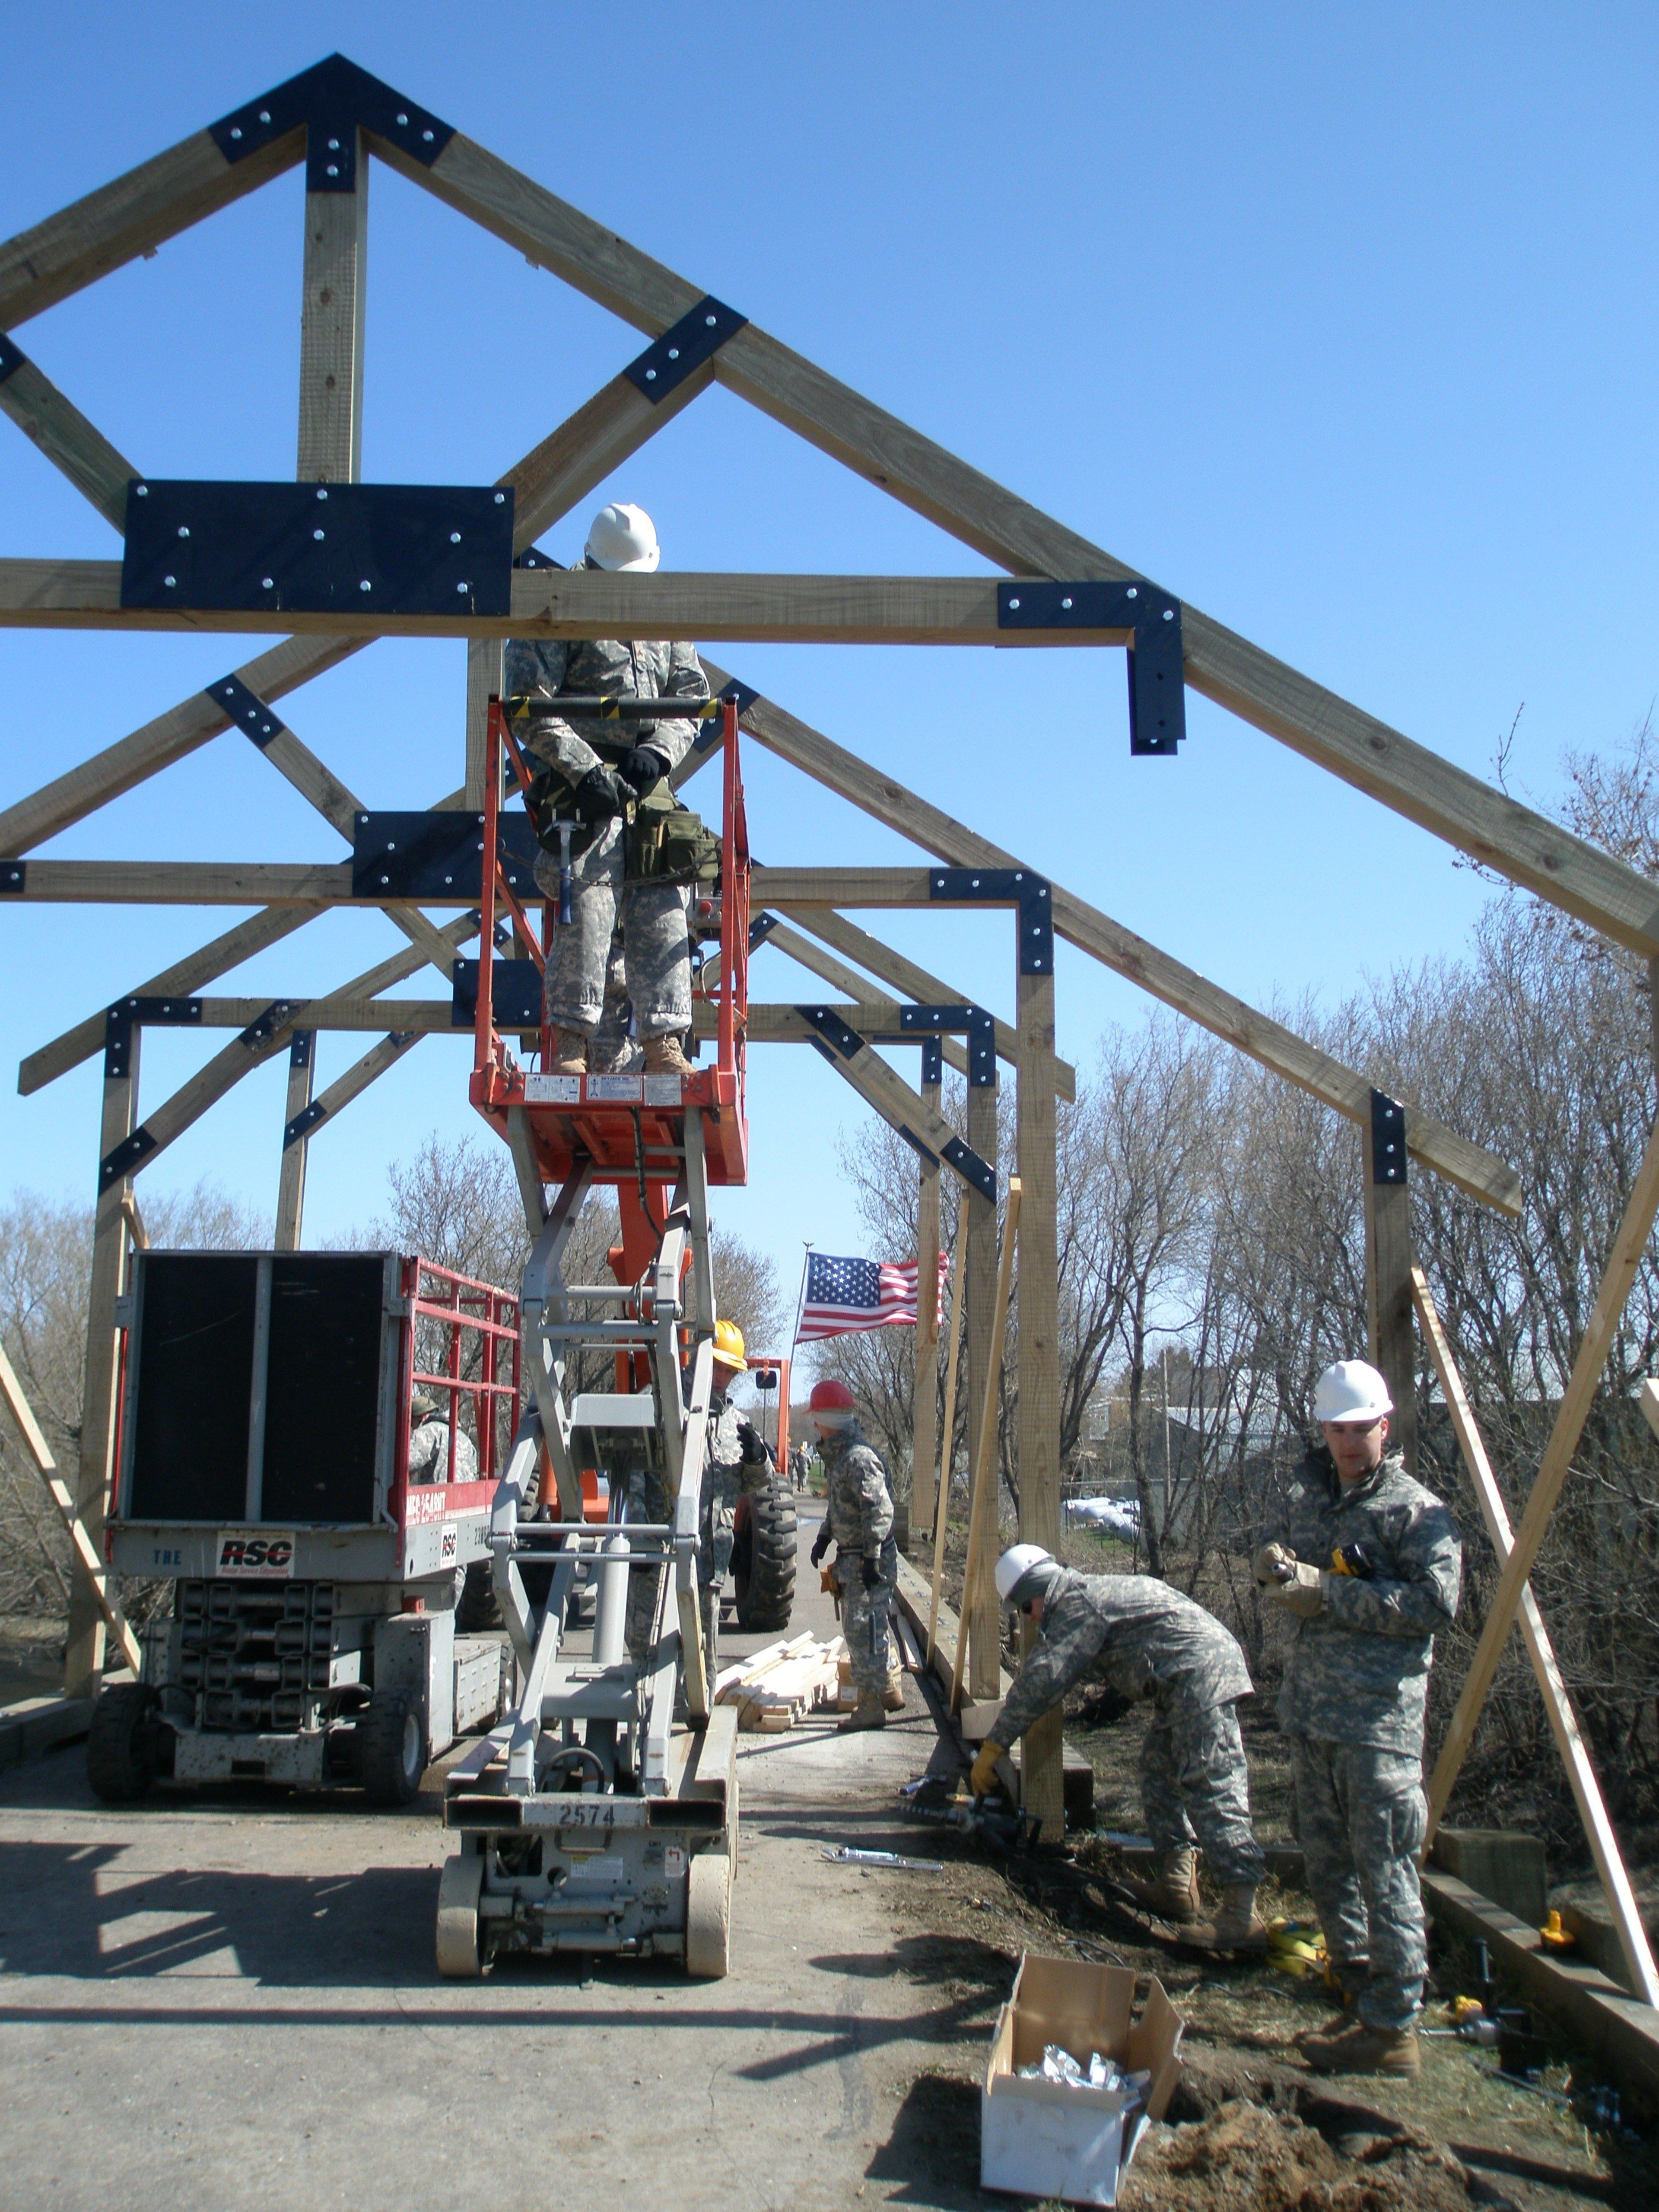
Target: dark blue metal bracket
(696, 337)
(968, 1165)
(304, 1122)
(1031, 893)
(1158, 695)
(932, 1063)
(248, 712)
(710, 734)
(1388, 1138)
(299, 1052)
(332, 102)
(128, 1014)
(760, 928)
(515, 994)
(834, 1039)
(14, 878)
(261, 1031)
(437, 855)
(11, 360)
(318, 549)
(116, 1166)
(971, 1022)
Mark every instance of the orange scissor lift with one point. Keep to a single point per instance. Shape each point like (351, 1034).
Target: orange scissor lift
(601, 1816)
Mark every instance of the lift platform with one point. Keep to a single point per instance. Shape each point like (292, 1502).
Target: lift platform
(602, 1815)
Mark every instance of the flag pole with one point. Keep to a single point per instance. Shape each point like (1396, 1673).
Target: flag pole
(800, 1303)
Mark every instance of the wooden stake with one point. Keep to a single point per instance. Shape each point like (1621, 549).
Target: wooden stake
(947, 1444)
(1628, 1248)
(291, 1181)
(925, 1397)
(1042, 1759)
(982, 1617)
(1557, 1704)
(979, 1587)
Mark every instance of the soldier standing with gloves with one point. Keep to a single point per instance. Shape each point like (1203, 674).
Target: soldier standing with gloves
(1144, 1639)
(735, 1460)
(1369, 1565)
(859, 1516)
(597, 773)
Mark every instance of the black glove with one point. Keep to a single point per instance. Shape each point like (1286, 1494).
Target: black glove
(870, 1568)
(602, 793)
(642, 768)
(755, 1453)
(821, 1542)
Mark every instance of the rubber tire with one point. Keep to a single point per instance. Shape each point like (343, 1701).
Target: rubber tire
(763, 1557)
(708, 1916)
(460, 1951)
(477, 1609)
(119, 1763)
(390, 1750)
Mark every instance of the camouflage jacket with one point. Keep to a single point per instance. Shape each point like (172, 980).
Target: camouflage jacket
(543, 668)
(428, 1454)
(1132, 1632)
(724, 1468)
(1358, 1671)
(860, 1497)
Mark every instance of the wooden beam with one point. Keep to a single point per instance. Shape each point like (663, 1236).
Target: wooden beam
(1042, 1785)
(1391, 1340)
(361, 1072)
(133, 216)
(924, 1411)
(579, 603)
(880, 1086)
(905, 975)
(833, 887)
(88, 1561)
(193, 883)
(1557, 1704)
(980, 1613)
(979, 1586)
(291, 1177)
(63, 434)
(483, 677)
(1626, 1258)
(551, 478)
(333, 294)
(1472, 1169)
(947, 1434)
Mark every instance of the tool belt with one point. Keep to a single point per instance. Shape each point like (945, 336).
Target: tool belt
(666, 843)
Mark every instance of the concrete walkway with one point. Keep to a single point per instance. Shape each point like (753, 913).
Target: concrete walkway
(232, 1999)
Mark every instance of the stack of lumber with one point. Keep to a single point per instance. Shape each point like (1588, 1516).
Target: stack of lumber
(782, 1684)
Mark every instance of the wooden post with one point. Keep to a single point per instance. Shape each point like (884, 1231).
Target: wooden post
(1563, 1722)
(979, 1589)
(1042, 1759)
(83, 1654)
(922, 1491)
(291, 1183)
(1393, 1343)
(947, 1448)
(1628, 1248)
(331, 327)
(483, 675)
(983, 1620)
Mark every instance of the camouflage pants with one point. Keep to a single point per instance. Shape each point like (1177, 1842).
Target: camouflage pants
(864, 1619)
(1195, 1786)
(656, 949)
(648, 1501)
(1361, 1818)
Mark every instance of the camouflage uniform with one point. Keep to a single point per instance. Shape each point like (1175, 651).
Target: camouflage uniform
(1356, 1684)
(1143, 1639)
(656, 947)
(428, 1453)
(728, 1473)
(859, 1507)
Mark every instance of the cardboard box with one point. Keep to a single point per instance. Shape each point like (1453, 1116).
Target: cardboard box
(1040, 2138)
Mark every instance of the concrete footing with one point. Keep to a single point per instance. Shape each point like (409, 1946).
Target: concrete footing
(36, 1725)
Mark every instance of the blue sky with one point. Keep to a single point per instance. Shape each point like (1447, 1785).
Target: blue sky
(1338, 322)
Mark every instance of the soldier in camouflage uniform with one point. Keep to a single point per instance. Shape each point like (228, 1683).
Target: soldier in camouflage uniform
(1142, 1639)
(1369, 1565)
(598, 771)
(429, 1444)
(859, 1517)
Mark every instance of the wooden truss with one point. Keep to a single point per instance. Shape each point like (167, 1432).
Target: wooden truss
(332, 119)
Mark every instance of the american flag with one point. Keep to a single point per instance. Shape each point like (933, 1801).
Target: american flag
(845, 1295)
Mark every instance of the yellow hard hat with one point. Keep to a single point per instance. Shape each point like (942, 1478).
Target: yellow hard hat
(728, 1346)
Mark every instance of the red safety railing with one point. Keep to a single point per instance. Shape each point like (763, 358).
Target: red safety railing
(460, 1343)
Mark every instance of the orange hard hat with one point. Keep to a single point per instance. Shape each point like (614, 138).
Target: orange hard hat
(830, 1396)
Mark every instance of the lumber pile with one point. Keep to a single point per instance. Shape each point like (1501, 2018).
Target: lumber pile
(782, 1684)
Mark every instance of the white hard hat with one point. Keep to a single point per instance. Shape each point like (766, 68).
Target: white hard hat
(623, 537)
(1025, 1571)
(1352, 1390)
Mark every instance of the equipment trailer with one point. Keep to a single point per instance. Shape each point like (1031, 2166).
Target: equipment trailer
(603, 1816)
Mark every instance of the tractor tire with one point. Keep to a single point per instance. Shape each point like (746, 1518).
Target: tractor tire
(120, 1759)
(477, 1609)
(763, 1556)
(390, 1750)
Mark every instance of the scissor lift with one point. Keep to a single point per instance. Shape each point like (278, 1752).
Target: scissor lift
(602, 1816)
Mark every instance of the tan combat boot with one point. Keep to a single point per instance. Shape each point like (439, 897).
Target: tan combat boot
(567, 1052)
(868, 1713)
(663, 1055)
(1351, 2047)
(1174, 1895)
(1238, 1926)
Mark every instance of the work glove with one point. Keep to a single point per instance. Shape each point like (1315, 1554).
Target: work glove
(870, 1569)
(1302, 1592)
(983, 1779)
(1271, 1564)
(753, 1444)
(602, 793)
(821, 1542)
(642, 768)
